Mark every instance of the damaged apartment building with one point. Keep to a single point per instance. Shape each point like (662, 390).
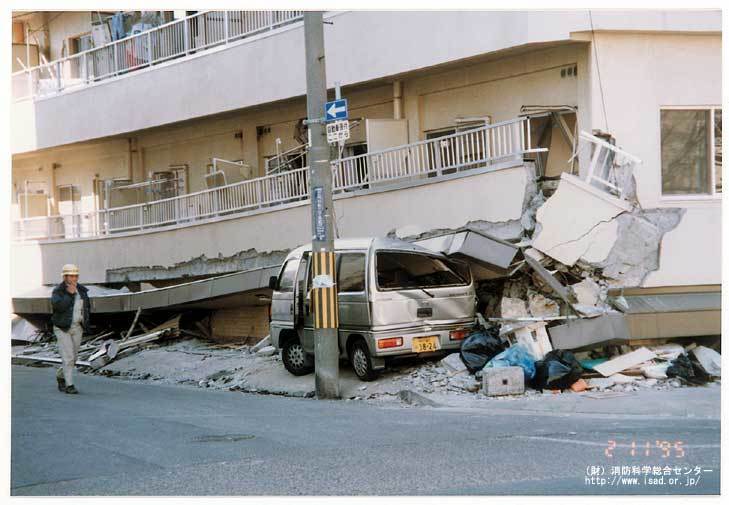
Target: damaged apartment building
(572, 157)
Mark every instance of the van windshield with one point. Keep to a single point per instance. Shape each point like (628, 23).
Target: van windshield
(405, 270)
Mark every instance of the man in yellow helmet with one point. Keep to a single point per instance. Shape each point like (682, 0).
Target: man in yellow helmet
(70, 317)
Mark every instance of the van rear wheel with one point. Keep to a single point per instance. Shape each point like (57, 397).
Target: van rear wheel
(359, 356)
(295, 359)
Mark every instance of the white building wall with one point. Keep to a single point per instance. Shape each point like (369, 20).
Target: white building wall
(361, 46)
(641, 73)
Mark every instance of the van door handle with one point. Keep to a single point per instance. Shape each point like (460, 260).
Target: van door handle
(291, 308)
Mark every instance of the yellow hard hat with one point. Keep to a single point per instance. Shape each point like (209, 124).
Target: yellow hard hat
(70, 269)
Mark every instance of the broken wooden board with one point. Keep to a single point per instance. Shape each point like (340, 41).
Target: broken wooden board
(624, 362)
(134, 323)
(112, 348)
(172, 324)
(47, 359)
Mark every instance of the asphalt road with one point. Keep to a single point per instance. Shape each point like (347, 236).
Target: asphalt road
(125, 438)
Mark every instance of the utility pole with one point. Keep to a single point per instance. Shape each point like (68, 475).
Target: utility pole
(324, 292)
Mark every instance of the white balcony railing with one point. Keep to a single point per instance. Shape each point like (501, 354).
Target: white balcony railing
(429, 160)
(176, 39)
(610, 168)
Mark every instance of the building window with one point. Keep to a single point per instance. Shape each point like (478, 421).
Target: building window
(69, 199)
(691, 151)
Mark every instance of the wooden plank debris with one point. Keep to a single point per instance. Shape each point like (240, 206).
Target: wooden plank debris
(134, 323)
(624, 362)
(203, 329)
(47, 359)
(173, 324)
(99, 355)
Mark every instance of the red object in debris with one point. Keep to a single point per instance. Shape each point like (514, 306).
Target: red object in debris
(578, 386)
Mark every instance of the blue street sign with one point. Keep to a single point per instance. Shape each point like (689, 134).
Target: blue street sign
(317, 201)
(336, 110)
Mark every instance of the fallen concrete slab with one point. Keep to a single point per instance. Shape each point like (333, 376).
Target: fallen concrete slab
(575, 222)
(581, 334)
(203, 293)
(488, 256)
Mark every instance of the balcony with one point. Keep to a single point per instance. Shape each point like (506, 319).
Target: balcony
(425, 161)
(177, 39)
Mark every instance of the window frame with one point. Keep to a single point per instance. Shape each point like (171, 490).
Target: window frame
(297, 261)
(402, 288)
(712, 195)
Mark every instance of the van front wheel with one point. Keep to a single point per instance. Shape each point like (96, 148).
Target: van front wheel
(359, 356)
(295, 359)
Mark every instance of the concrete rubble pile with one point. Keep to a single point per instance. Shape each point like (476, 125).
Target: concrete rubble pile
(560, 299)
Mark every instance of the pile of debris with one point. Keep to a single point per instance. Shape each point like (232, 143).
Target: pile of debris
(508, 363)
(98, 350)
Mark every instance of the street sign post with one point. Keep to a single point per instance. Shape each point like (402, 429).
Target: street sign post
(336, 110)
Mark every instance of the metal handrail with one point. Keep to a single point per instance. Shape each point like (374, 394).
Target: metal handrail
(457, 152)
(302, 149)
(174, 39)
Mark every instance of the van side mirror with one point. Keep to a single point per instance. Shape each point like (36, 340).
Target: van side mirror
(272, 281)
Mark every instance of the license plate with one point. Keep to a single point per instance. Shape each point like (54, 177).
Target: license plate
(426, 344)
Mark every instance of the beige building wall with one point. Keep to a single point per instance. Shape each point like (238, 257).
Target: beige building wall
(78, 165)
(65, 25)
(233, 137)
(37, 24)
(431, 100)
(496, 88)
(247, 323)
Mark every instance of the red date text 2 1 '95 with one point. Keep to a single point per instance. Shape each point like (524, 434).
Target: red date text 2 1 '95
(662, 448)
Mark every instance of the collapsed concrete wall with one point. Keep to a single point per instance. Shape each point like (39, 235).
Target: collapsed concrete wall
(199, 267)
(602, 234)
(514, 229)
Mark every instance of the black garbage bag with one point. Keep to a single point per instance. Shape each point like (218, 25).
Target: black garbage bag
(689, 370)
(558, 370)
(479, 347)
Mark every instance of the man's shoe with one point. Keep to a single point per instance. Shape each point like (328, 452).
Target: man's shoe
(71, 390)
(61, 385)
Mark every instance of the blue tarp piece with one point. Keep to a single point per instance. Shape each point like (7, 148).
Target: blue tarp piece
(516, 355)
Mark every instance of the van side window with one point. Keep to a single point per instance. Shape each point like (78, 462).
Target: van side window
(286, 279)
(351, 273)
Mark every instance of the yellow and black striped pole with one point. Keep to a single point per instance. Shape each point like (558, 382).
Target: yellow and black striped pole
(326, 308)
